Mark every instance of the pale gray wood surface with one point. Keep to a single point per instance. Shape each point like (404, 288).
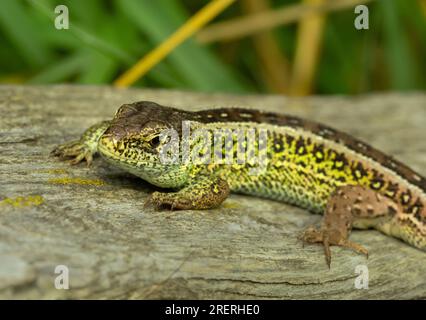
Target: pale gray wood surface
(93, 221)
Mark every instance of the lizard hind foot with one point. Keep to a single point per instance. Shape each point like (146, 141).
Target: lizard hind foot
(347, 205)
(313, 235)
(328, 238)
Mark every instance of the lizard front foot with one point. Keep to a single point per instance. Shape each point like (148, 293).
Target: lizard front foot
(205, 193)
(82, 149)
(75, 149)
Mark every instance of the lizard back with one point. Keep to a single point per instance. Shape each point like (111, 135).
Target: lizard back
(308, 160)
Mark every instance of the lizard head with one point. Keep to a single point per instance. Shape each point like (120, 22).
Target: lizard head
(135, 139)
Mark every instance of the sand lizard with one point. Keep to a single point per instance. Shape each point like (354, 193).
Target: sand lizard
(308, 164)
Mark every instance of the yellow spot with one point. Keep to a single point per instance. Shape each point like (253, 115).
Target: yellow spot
(80, 181)
(23, 201)
(301, 149)
(406, 198)
(358, 174)
(376, 185)
(318, 155)
(339, 164)
(390, 194)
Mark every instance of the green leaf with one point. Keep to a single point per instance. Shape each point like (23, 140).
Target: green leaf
(99, 69)
(62, 70)
(196, 65)
(399, 60)
(86, 37)
(21, 28)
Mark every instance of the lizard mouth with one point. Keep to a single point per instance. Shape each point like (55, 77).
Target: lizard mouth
(114, 149)
(134, 161)
(110, 146)
(122, 151)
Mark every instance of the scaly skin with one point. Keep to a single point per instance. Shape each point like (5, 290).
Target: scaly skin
(308, 165)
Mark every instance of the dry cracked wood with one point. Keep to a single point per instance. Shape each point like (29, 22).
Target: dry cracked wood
(92, 220)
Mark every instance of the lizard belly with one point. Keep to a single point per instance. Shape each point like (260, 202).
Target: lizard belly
(281, 184)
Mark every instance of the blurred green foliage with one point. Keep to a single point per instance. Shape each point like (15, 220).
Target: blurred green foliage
(108, 37)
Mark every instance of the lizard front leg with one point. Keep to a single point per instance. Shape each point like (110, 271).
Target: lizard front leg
(84, 148)
(204, 193)
(348, 206)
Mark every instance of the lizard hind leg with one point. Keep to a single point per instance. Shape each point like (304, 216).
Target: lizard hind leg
(349, 206)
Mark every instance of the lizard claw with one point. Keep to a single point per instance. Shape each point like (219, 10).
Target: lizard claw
(313, 235)
(76, 150)
(148, 201)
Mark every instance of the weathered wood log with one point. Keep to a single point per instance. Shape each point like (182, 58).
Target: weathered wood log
(92, 220)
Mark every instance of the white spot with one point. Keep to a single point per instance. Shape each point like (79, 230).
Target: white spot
(417, 178)
(223, 115)
(392, 164)
(246, 115)
(324, 132)
(362, 146)
(209, 116)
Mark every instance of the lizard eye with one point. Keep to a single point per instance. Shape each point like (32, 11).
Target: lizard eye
(154, 142)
